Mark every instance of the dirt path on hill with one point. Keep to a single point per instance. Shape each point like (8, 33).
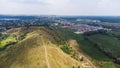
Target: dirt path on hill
(46, 56)
(46, 53)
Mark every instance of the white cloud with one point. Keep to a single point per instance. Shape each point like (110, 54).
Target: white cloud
(60, 7)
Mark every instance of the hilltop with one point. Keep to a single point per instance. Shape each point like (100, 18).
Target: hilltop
(39, 49)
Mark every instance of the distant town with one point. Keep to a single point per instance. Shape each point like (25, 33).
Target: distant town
(80, 28)
(80, 25)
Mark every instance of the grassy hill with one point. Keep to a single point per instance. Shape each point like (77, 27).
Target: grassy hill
(36, 50)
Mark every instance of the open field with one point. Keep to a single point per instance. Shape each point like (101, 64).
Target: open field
(108, 44)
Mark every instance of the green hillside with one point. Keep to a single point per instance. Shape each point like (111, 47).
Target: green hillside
(10, 39)
(107, 43)
(89, 47)
(36, 51)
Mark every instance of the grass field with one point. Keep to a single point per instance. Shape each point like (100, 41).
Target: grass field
(107, 43)
(110, 65)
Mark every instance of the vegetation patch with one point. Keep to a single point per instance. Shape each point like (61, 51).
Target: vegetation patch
(110, 65)
(69, 50)
(9, 39)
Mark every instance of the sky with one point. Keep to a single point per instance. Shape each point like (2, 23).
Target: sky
(60, 7)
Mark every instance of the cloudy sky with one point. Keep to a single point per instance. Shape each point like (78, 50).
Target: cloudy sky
(60, 7)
